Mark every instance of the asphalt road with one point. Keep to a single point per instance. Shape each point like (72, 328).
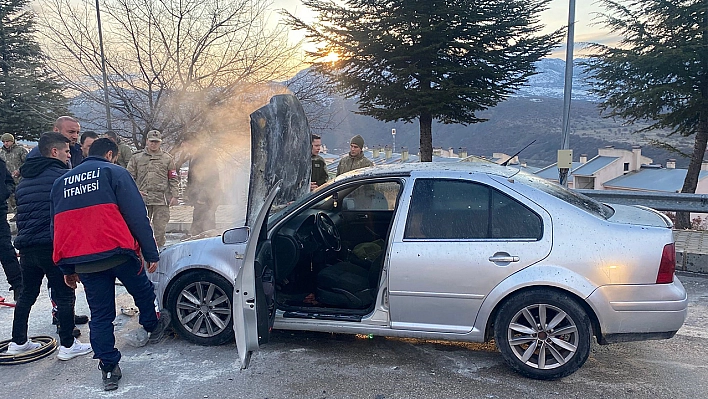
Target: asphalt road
(317, 365)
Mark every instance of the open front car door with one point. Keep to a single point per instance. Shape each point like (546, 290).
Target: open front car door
(253, 289)
(280, 152)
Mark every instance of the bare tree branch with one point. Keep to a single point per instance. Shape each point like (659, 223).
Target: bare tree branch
(172, 65)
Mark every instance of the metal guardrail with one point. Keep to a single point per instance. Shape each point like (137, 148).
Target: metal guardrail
(674, 202)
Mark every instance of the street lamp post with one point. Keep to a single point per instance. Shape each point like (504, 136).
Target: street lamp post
(565, 153)
(103, 68)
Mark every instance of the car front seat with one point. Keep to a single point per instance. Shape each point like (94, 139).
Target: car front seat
(349, 286)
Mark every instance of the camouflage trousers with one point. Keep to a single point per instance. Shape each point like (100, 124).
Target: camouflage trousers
(203, 218)
(11, 204)
(159, 215)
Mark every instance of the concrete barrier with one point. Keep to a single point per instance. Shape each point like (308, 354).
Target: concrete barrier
(691, 250)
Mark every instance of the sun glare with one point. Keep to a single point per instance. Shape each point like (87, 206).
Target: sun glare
(331, 57)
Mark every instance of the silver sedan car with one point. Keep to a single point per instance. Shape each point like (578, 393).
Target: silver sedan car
(465, 252)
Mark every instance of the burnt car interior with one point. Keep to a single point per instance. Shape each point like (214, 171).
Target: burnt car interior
(328, 258)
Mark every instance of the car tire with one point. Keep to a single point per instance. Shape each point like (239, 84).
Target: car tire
(201, 304)
(555, 346)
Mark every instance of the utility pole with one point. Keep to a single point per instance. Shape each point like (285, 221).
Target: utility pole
(565, 154)
(103, 68)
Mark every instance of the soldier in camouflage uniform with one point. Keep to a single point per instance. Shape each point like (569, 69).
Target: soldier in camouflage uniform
(124, 152)
(203, 188)
(319, 174)
(14, 157)
(355, 159)
(156, 177)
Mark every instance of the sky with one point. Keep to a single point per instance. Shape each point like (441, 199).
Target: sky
(554, 18)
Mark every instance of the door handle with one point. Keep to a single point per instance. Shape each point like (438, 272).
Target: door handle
(363, 216)
(503, 257)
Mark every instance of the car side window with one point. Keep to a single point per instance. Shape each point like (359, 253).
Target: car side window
(372, 197)
(510, 219)
(456, 209)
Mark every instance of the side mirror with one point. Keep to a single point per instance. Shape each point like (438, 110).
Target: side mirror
(238, 235)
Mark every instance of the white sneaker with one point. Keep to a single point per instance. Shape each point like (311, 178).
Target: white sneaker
(14, 349)
(77, 349)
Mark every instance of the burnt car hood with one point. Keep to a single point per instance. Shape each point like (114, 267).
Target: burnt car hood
(280, 150)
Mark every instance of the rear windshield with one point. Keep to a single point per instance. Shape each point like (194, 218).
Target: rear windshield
(581, 201)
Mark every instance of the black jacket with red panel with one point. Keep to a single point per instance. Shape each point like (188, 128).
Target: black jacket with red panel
(97, 212)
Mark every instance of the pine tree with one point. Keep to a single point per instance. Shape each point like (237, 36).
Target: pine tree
(427, 59)
(30, 100)
(658, 72)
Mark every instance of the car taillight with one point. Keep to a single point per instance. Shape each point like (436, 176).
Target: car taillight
(668, 265)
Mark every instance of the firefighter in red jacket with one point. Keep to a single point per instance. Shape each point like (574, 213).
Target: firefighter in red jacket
(103, 199)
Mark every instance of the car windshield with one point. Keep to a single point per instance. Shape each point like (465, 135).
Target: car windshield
(277, 212)
(581, 201)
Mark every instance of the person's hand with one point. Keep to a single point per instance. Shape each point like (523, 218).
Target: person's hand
(16, 173)
(313, 186)
(152, 266)
(174, 201)
(71, 280)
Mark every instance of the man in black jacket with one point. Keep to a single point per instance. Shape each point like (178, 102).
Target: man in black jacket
(70, 128)
(34, 241)
(8, 256)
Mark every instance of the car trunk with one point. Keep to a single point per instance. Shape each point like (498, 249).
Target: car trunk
(639, 215)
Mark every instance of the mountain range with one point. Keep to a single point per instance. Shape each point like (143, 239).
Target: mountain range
(550, 81)
(532, 113)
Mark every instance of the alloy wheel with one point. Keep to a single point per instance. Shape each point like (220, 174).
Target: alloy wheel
(204, 309)
(543, 336)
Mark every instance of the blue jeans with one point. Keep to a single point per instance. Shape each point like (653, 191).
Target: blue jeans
(101, 298)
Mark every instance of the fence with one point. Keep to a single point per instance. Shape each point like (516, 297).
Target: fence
(674, 202)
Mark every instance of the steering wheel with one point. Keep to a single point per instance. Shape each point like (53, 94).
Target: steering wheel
(328, 231)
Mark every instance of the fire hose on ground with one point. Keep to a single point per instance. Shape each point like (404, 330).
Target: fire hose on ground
(49, 345)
